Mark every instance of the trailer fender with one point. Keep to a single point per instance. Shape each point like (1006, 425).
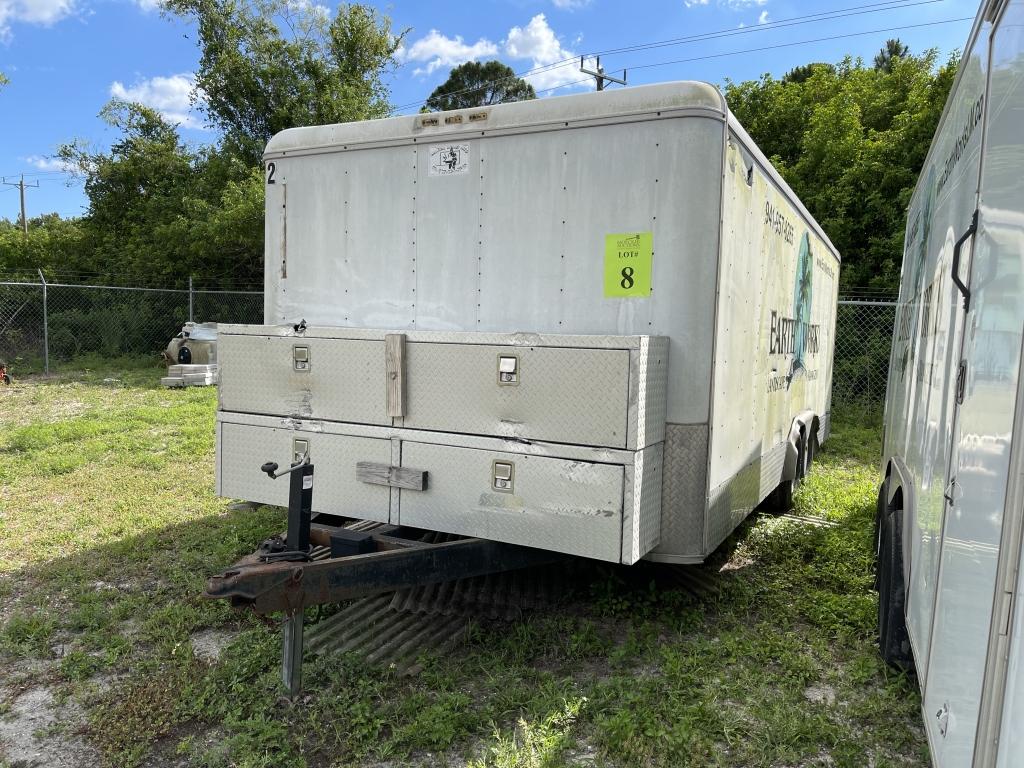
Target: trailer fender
(805, 424)
(899, 481)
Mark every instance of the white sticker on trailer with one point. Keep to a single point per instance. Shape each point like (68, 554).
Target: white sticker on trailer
(449, 159)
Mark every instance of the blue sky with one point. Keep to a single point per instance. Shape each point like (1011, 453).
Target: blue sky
(67, 58)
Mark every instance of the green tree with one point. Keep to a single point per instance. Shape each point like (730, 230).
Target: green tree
(3, 80)
(478, 85)
(160, 210)
(850, 140)
(267, 65)
(894, 49)
(53, 244)
(801, 73)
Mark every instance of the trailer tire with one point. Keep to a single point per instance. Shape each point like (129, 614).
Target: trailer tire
(781, 499)
(7, 380)
(812, 451)
(893, 640)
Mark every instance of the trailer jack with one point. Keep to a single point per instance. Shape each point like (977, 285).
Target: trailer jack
(321, 560)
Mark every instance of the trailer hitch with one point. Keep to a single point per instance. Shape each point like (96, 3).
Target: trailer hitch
(322, 560)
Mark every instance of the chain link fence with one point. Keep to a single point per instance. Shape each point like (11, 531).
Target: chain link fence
(46, 325)
(860, 369)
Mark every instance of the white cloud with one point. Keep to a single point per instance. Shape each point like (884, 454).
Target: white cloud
(438, 51)
(539, 43)
(735, 5)
(42, 12)
(149, 5)
(44, 163)
(170, 96)
(763, 18)
(301, 6)
(570, 5)
(536, 43)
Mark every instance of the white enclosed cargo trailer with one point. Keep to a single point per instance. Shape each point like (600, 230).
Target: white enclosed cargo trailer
(950, 506)
(599, 324)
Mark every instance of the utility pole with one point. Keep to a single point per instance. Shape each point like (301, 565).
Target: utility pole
(600, 76)
(21, 188)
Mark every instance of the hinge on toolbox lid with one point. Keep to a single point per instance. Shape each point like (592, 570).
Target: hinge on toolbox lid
(394, 365)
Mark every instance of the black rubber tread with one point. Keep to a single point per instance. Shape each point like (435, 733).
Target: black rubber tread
(812, 451)
(893, 640)
(781, 499)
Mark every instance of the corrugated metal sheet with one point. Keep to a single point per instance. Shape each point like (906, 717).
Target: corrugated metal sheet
(397, 629)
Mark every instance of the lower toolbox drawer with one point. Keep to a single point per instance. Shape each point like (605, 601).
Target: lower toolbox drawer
(556, 504)
(244, 448)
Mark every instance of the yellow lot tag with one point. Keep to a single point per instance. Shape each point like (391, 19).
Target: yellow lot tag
(627, 264)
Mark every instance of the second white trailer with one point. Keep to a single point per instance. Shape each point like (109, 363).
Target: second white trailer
(599, 324)
(951, 501)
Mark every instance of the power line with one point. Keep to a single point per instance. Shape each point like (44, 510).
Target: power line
(839, 13)
(801, 42)
(819, 16)
(40, 174)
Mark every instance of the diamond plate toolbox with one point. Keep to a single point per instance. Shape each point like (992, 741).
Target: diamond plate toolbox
(547, 441)
(583, 390)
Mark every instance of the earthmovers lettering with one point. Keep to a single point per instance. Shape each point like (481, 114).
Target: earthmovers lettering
(782, 338)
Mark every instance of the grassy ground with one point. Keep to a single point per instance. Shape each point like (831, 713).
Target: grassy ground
(108, 529)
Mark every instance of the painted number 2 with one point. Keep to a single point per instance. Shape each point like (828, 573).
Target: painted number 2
(271, 168)
(627, 278)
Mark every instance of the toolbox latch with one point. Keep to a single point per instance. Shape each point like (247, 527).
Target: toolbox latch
(508, 369)
(503, 475)
(300, 358)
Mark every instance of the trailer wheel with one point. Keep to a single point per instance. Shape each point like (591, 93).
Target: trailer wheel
(781, 499)
(812, 451)
(7, 380)
(893, 641)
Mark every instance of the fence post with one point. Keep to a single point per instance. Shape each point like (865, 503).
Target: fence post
(46, 328)
(191, 319)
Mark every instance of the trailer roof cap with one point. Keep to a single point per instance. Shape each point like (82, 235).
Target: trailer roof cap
(687, 94)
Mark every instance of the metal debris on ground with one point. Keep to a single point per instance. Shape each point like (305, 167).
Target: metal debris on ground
(190, 376)
(819, 522)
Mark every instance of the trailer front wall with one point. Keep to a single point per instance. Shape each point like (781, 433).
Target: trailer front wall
(367, 236)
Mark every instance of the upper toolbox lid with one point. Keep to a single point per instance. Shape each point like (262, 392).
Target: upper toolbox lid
(604, 391)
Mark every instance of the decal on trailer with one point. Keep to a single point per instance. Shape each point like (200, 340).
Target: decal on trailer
(793, 334)
(628, 260)
(449, 159)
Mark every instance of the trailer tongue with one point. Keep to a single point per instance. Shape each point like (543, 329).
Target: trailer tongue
(321, 561)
